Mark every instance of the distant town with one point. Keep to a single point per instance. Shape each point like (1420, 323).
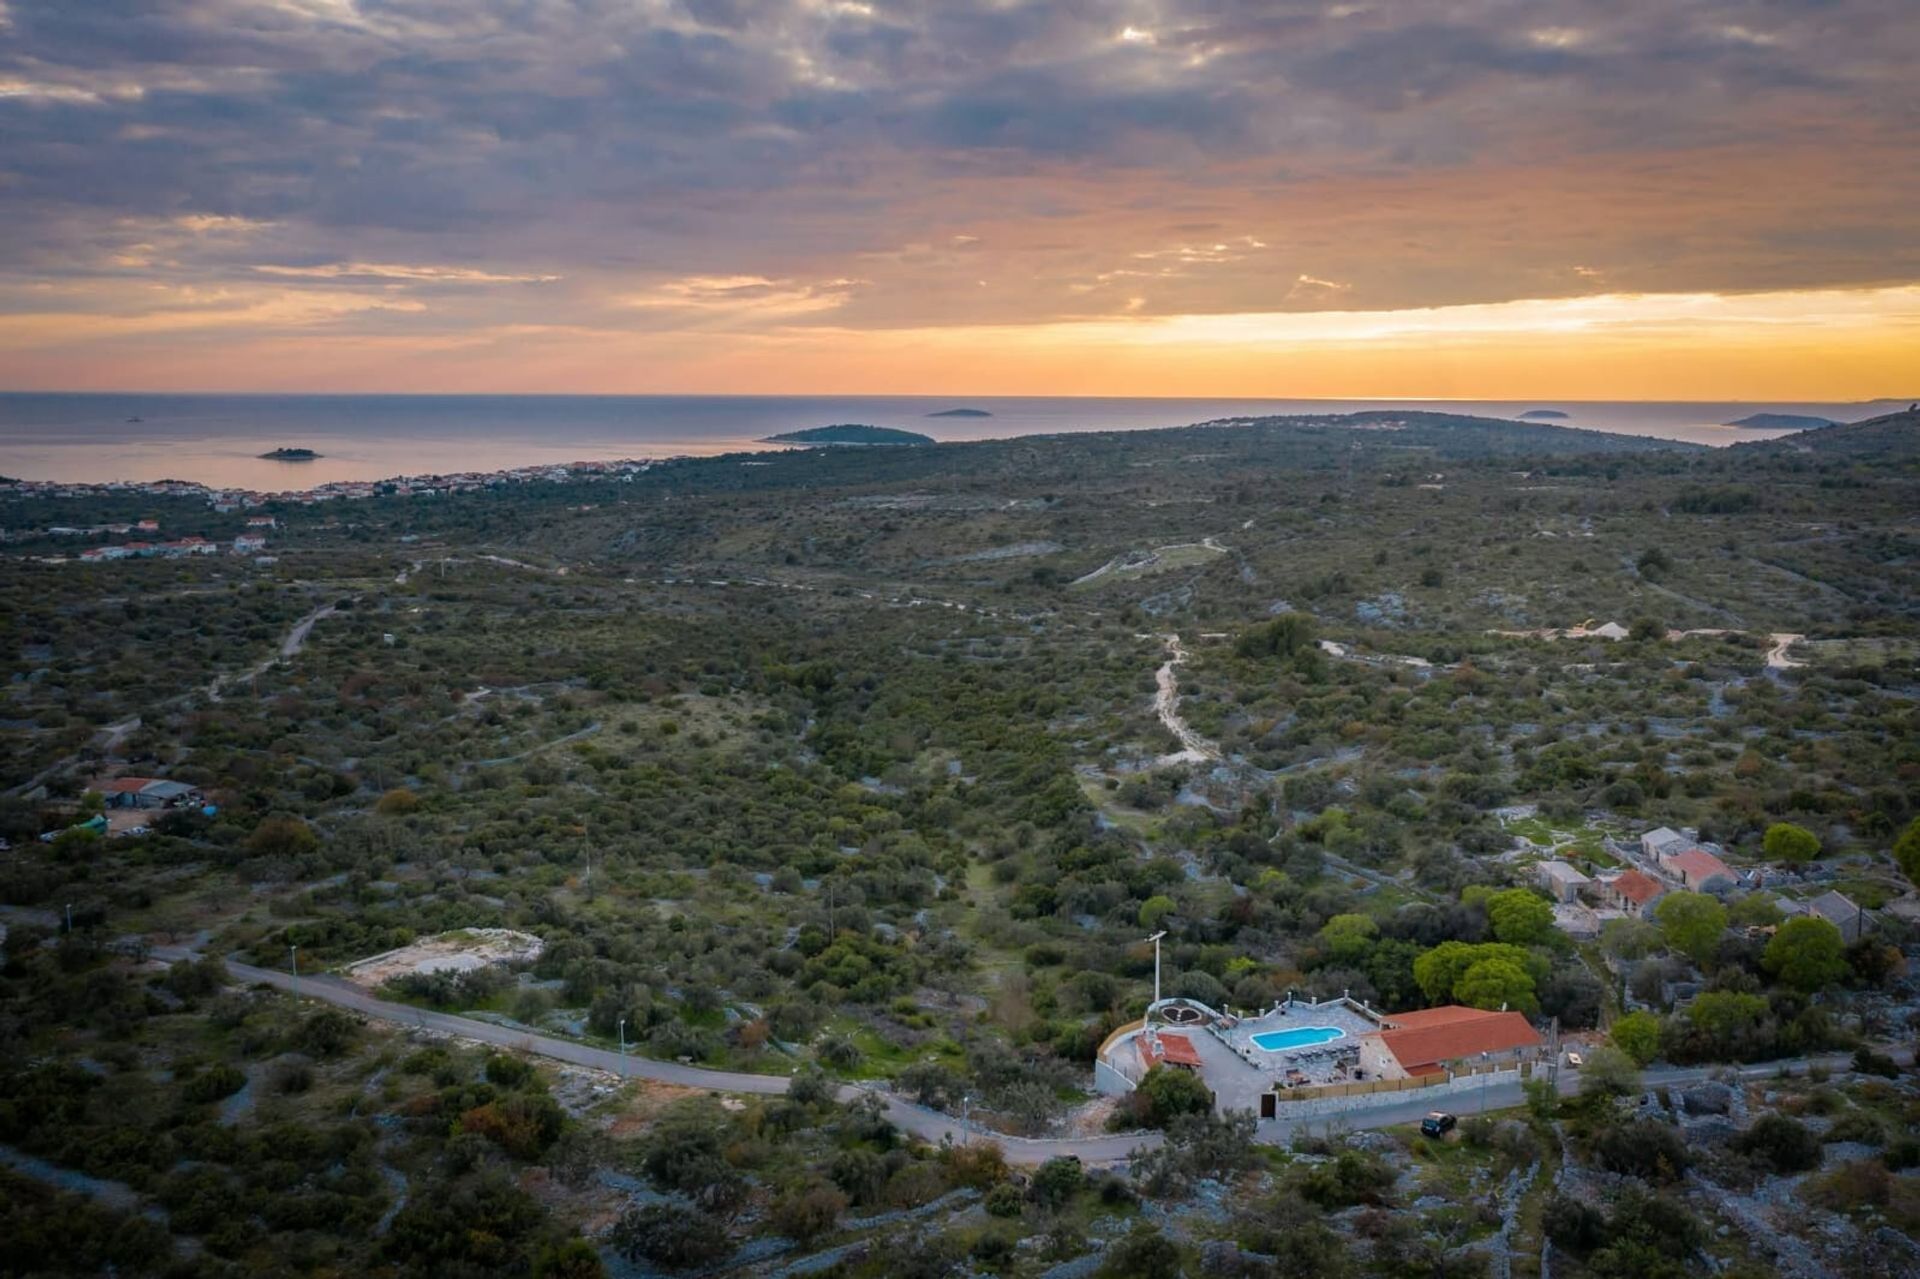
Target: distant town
(145, 542)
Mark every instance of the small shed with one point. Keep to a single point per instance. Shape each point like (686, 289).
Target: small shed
(1561, 881)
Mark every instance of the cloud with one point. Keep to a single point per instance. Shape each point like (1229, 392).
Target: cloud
(718, 163)
(395, 271)
(743, 296)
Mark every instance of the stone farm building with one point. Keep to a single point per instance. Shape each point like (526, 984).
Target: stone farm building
(1699, 870)
(1838, 909)
(1561, 881)
(148, 792)
(1633, 891)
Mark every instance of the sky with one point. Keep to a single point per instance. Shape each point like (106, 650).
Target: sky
(1502, 199)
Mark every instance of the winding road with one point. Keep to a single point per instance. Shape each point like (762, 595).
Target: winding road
(920, 1121)
(1194, 749)
(295, 640)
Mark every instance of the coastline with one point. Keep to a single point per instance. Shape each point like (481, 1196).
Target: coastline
(217, 440)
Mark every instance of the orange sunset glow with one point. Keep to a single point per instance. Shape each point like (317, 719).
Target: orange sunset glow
(1502, 200)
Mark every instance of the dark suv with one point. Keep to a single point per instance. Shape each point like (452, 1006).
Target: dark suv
(1437, 1124)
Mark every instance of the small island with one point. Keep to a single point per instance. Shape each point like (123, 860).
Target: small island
(961, 413)
(1544, 415)
(849, 434)
(290, 455)
(1783, 422)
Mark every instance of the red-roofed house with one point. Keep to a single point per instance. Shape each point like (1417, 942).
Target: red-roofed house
(1699, 870)
(1439, 1039)
(1168, 1049)
(1633, 891)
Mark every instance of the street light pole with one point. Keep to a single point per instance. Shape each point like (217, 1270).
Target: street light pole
(69, 918)
(294, 951)
(966, 1110)
(1486, 1060)
(1155, 939)
(623, 1048)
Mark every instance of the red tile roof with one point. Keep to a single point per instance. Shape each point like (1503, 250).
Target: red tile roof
(126, 785)
(1638, 887)
(1445, 1015)
(1170, 1050)
(1697, 864)
(1178, 1050)
(1420, 1047)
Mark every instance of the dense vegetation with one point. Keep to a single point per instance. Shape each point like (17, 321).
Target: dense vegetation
(848, 762)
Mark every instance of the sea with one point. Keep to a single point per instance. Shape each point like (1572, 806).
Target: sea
(217, 439)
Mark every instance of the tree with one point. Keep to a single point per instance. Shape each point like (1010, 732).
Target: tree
(1439, 971)
(1496, 983)
(574, 1259)
(1782, 1144)
(1644, 1148)
(1806, 953)
(1520, 916)
(282, 835)
(1906, 851)
(807, 1211)
(1143, 1253)
(1785, 842)
(1169, 1091)
(1056, 1181)
(1723, 1014)
(1756, 910)
(1346, 939)
(669, 1234)
(1285, 636)
(1609, 1071)
(1638, 1036)
(1628, 938)
(1155, 909)
(1692, 924)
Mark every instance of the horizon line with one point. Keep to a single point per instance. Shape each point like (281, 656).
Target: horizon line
(930, 395)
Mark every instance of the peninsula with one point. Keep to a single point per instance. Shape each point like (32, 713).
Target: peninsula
(849, 434)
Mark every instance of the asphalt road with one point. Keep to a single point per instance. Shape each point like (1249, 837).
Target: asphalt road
(928, 1125)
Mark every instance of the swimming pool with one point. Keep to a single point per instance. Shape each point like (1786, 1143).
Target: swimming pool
(1279, 1041)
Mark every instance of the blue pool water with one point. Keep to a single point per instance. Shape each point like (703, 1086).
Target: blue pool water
(1276, 1041)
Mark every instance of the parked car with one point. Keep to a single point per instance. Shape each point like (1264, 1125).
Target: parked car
(1437, 1123)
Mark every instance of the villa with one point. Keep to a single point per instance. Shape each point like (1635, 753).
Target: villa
(1341, 1044)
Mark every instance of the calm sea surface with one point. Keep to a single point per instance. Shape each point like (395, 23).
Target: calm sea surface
(216, 439)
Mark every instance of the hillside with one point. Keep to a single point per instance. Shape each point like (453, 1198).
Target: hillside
(877, 764)
(1893, 436)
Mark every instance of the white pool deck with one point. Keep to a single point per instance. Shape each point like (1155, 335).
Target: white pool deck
(1239, 1072)
(1314, 1063)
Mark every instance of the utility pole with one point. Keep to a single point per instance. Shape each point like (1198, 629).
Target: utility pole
(1155, 939)
(623, 1048)
(294, 951)
(1553, 1057)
